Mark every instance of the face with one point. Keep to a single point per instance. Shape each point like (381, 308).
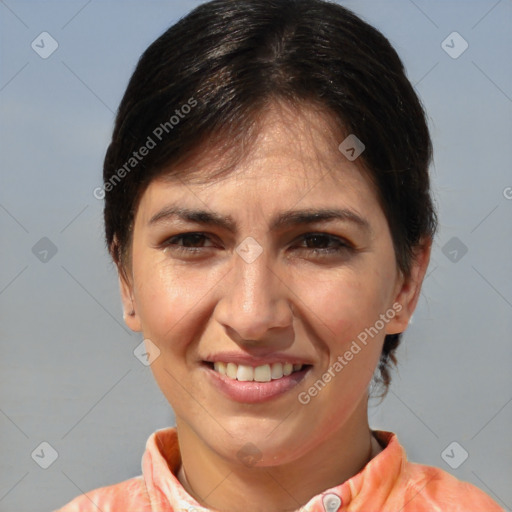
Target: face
(261, 282)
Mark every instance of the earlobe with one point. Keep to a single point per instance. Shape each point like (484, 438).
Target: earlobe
(131, 318)
(409, 289)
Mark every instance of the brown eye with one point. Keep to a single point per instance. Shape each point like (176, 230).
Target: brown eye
(187, 243)
(190, 239)
(322, 243)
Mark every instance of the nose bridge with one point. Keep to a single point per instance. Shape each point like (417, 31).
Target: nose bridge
(254, 301)
(253, 283)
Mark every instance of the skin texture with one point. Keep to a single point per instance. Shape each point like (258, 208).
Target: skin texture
(293, 299)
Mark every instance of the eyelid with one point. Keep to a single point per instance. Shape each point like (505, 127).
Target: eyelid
(335, 238)
(180, 236)
(210, 236)
(341, 244)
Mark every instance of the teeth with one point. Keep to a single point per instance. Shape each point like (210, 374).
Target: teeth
(263, 373)
(245, 373)
(220, 367)
(287, 368)
(277, 371)
(231, 369)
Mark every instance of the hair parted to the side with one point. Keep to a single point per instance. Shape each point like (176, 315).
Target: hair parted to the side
(227, 61)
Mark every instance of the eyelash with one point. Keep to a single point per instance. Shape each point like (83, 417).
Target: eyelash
(342, 245)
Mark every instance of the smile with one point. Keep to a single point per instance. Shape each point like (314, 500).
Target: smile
(255, 384)
(263, 373)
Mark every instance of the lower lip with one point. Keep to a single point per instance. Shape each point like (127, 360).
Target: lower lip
(255, 392)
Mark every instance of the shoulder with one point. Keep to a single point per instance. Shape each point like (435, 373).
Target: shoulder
(130, 496)
(411, 487)
(429, 488)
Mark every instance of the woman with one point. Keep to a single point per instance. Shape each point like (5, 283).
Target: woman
(267, 205)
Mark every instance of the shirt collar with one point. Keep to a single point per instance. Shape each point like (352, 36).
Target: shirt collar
(370, 487)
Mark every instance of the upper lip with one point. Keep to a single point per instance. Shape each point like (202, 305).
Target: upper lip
(247, 359)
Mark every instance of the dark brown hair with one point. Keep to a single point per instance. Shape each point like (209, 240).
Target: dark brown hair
(205, 81)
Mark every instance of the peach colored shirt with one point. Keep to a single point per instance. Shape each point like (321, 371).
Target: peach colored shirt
(388, 483)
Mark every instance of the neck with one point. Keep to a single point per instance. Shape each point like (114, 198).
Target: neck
(230, 486)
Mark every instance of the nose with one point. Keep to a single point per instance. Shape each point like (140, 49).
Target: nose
(255, 307)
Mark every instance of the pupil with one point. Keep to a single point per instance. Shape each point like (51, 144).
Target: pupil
(318, 241)
(192, 240)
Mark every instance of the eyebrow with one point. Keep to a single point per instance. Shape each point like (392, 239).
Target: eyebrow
(285, 219)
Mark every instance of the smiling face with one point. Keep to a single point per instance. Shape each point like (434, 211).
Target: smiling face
(258, 280)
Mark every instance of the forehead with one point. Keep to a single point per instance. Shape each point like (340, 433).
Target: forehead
(291, 167)
(288, 142)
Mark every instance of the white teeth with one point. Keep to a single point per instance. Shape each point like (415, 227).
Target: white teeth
(231, 369)
(263, 373)
(276, 371)
(245, 373)
(220, 367)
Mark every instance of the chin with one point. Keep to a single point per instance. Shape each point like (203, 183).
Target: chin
(260, 443)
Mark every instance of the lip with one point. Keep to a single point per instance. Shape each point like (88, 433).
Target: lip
(254, 360)
(254, 392)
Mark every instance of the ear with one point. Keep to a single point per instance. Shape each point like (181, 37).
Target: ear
(408, 289)
(131, 318)
(130, 315)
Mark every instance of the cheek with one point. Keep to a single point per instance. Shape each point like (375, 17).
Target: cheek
(168, 305)
(174, 302)
(345, 303)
